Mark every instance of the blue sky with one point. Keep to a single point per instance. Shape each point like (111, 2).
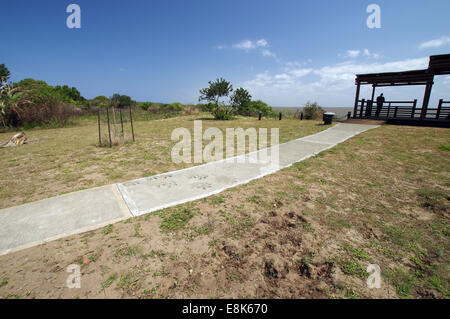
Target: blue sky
(283, 52)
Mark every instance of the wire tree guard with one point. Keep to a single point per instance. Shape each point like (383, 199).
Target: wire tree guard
(115, 126)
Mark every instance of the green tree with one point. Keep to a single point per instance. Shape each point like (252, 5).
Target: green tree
(4, 74)
(121, 101)
(240, 101)
(216, 90)
(69, 94)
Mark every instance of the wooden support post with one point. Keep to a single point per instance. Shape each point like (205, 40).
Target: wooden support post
(389, 110)
(280, 116)
(109, 128)
(413, 111)
(301, 116)
(358, 86)
(121, 120)
(362, 107)
(395, 112)
(373, 92)
(438, 111)
(259, 116)
(426, 99)
(131, 121)
(99, 130)
(349, 115)
(369, 108)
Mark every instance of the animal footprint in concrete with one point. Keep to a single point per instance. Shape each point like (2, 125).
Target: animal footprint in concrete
(166, 184)
(199, 177)
(202, 185)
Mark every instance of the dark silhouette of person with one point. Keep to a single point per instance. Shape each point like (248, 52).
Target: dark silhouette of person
(380, 102)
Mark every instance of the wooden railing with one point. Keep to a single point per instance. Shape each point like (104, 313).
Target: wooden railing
(390, 109)
(401, 110)
(442, 112)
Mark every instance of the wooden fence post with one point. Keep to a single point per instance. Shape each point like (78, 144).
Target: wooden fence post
(131, 120)
(109, 128)
(279, 117)
(259, 116)
(99, 131)
(121, 120)
(301, 116)
(395, 112)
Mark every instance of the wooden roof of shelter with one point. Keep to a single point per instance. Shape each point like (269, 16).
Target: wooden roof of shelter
(439, 64)
(416, 77)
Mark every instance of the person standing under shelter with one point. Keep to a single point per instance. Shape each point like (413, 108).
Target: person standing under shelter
(380, 102)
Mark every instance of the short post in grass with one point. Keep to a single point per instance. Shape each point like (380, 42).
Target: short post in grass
(301, 116)
(280, 116)
(109, 127)
(259, 116)
(121, 119)
(131, 121)
(349, 114)
(99, 130)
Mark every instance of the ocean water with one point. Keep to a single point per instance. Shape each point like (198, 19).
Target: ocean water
(341, 112)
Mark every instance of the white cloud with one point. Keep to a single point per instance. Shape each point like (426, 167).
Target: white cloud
(247, 45)
(436, 43)
(330, 84)
(300, 72)
(353, 53)
(261, 43)
(368, 54)
(269, 53)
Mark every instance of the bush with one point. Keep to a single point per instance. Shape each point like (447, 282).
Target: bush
(145, 106)
(47, 111)
(32, 103)
(222, 114)
(154, 108)
(208, 107)
(173, 108)
(255, 107)
(191, 110)
(312, 111)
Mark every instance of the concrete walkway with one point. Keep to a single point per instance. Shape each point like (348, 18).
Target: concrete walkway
(38, 222)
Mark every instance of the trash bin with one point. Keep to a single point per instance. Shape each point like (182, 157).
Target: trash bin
(328, 117)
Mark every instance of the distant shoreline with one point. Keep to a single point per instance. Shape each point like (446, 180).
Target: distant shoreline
(341, 111)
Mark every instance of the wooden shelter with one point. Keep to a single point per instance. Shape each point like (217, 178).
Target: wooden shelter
(438, 65)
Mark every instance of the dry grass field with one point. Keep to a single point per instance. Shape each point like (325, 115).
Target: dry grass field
(308, 231)
(63, 160)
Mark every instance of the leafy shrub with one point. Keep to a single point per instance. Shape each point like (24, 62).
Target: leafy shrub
(154, 108)
(208, 107)
(222, 113)
(145, 106)
(31, 103)
(312, 111)
(255, 107)
(174, 107)
(191, 110)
